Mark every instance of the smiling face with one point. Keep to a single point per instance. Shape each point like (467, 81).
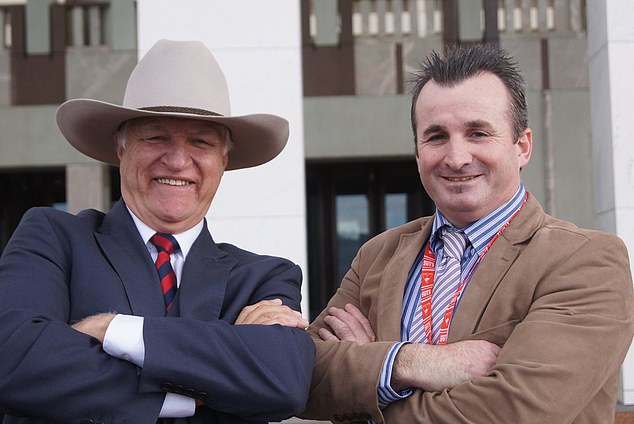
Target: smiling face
(170, 170)
(468, 158)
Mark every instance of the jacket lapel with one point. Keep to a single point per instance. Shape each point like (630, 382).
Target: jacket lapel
(393, 279)
(204, 280)
(492, 269)
(122, 246)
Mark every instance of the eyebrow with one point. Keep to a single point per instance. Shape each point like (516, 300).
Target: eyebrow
(432, 129)
(478, 123)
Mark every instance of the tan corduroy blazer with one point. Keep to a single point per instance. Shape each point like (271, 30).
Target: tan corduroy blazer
(557, 298)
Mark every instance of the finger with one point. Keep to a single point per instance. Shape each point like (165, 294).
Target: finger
(275, 314)
(339, 328)
(327, 335)
(365, 323)
(357, 330)
(247, 311)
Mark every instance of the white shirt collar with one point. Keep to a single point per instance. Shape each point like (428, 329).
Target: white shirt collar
(185, 239)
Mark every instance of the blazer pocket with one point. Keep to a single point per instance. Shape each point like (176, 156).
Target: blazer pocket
(498, 334)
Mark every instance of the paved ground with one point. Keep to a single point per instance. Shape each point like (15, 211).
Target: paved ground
(624, 415)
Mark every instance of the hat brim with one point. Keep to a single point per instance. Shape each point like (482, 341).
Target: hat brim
(89, 126)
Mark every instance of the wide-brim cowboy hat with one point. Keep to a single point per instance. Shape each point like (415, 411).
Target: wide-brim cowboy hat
(178, 79)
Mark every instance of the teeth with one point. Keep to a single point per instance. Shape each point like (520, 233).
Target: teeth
(172, 182)
(457, 179)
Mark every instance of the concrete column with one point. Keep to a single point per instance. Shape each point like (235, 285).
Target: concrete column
(121, 25)
(470, 28)
(261, 209)
(611, 60)
(87, 186)
(327, 20)
(38, 26)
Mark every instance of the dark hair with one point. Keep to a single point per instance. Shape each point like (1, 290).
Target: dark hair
(461, 63)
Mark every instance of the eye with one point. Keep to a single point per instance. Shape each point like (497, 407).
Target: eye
(155, 138)
(206, 142)
(478, 134)
(435, 138)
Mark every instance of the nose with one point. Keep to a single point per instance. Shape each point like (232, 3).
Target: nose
(176, 155)
(458, 154)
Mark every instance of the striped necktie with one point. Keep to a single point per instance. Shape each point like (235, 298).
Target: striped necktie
(165, 244)
(447, 277)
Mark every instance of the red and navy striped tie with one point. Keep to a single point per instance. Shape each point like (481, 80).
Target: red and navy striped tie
(165, 244)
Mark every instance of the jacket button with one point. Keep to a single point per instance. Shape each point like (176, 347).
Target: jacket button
(167, 387)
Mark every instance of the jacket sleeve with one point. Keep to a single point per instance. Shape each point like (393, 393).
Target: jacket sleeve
(346, 375)
(563, 355)
(258, 372)
(49, 370)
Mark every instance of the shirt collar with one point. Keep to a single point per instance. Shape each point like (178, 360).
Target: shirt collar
(185, 239)
(480, 232)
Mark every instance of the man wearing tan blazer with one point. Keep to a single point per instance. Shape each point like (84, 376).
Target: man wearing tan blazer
(540, 316)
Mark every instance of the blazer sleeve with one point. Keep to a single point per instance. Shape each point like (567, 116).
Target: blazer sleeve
(257, 372)
(561, 356)
(49, 370)
(346, 375)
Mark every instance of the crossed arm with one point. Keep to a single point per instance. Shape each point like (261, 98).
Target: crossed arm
(547, 320)
(453, 363)
(265, 312)
(47, 363)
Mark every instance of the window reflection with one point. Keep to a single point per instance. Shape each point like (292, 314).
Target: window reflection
(352, 228)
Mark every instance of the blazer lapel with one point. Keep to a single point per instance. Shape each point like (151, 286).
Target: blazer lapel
(492, 270)
(122, 246)
(393, 279)
(204, 280)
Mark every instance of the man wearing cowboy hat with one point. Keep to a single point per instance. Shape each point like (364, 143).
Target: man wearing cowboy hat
(136, 314)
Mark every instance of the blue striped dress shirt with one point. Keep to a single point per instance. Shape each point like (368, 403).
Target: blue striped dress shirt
(479, 234)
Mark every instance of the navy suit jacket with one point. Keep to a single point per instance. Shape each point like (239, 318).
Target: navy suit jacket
(59, 268)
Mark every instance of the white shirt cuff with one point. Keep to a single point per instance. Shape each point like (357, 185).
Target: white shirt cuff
(177, 406)
(386, 393)
(124, 339)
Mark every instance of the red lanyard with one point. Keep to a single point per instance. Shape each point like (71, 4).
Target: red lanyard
(427, 285)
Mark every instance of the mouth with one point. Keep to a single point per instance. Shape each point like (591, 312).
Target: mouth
(173, 182)
(460, 179)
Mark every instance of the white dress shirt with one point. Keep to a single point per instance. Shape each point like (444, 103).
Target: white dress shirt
(124, 336)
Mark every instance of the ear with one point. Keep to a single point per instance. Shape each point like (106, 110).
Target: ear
(524, 147)
(118, 146)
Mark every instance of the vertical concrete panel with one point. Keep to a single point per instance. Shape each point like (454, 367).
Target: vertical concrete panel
(572, 143)
(121, 25)
(258, 47)
(38, 28)
(327, 20)
(611, 47)
(469, 25)
(87, 186)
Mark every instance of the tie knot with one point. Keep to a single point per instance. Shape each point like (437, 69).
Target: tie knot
(454, 243)
(164, 242)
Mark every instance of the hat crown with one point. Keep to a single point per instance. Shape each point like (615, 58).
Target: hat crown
(179, 75)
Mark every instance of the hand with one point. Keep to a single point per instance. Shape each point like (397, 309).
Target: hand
(438, 367)
(268, 312)
(95, 325)
(347, 324)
